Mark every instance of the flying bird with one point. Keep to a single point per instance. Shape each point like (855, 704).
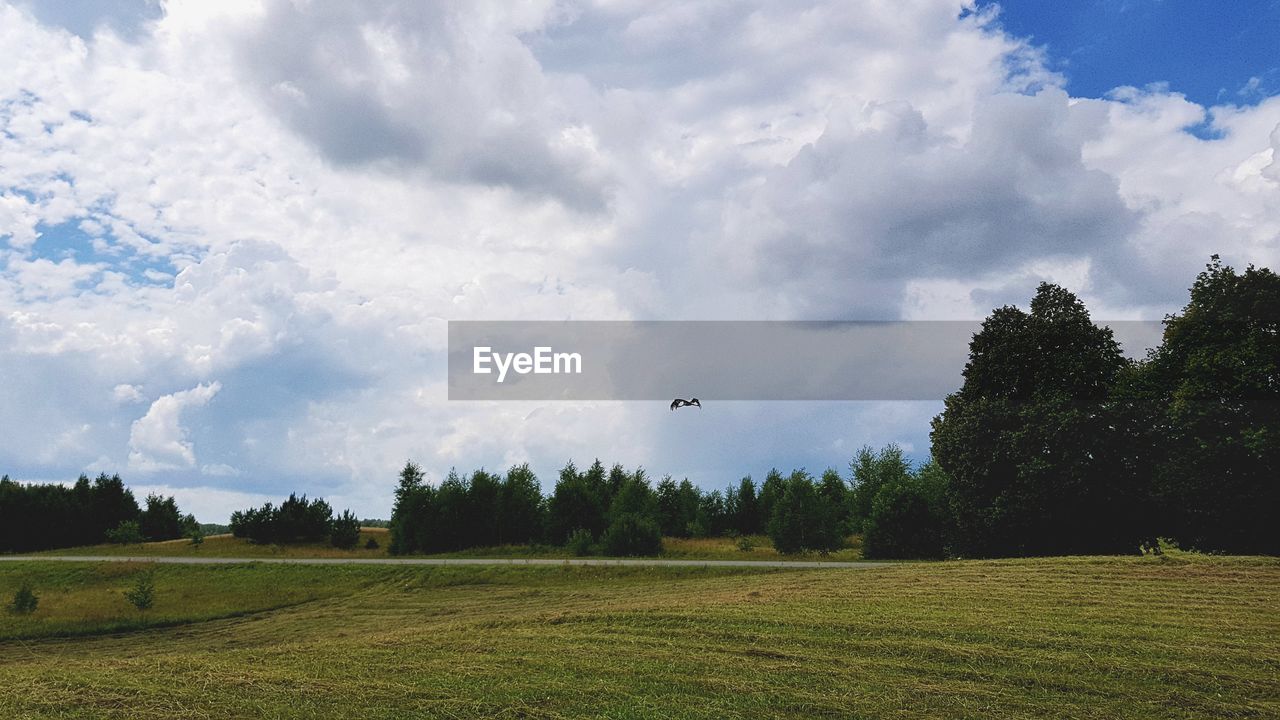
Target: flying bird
(679, 403)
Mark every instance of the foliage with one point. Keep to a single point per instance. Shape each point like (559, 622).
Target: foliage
(302, 520)
(255, 524)
(833, 491)
(345, 532)
(411, 512)
(634, 496)
(295, 520)
(633, 534)
(520, 507)
(770, 490)
(581, 542)
(745, 512)
(575, 503)
(801, 520)
(909, 517)
(24, 601)
(872, 470)
(42, 516)
(196, 533)
(1026, 441)
(143, 593)
(1205, 415)
(371, 544)
(128, 532)
(161, 520)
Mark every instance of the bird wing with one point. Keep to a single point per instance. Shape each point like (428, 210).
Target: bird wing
(677, 403)
(695, 402)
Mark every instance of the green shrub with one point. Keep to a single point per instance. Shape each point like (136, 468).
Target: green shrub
(143, 593)
(128, 532)
(371, 544)
(744, 544)
(581, 542)
(24, 601)
(909, 517)
(633, 534)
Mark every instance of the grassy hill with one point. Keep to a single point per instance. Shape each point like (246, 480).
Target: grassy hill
(1178, 637)
(228, 546)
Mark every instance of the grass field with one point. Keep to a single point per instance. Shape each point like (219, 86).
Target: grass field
(721, 548)
(1180, 637)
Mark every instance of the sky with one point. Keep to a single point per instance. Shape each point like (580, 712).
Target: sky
(1212, 53)
(232, 234)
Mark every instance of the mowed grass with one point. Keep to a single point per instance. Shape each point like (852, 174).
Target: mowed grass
(720, 548)
(229, 546)
(88, 598)
(1182, 637)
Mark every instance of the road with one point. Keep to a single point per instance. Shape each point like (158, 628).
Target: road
(631, 562)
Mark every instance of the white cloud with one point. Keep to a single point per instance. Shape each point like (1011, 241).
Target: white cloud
(208, 504)
(158, 440)
(220, 470)
(126, 393)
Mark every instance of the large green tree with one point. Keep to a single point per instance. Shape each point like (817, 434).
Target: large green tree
(1027, 441)
(414, 506)
(1207, 402)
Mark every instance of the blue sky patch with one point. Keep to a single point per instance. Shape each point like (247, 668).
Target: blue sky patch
(1215, 53)
(87, 241)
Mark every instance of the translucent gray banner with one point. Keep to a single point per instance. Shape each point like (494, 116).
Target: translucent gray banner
(721, 360)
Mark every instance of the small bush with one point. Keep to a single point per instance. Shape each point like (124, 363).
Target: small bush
(371, 544)
(581, 542)
(143, 593)
(24, 601)
(128, 532)
(744, 544)
(197, 535)
(633, 534)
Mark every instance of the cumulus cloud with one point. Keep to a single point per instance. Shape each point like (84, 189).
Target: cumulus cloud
(1272, 170)
(158, 440)
(448, 87)
(219, 470)
(126, 393)
(880, 198)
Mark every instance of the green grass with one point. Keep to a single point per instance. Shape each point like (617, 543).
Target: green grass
(1180, 637)
(722, 548)
(228, 546)
(88, 598)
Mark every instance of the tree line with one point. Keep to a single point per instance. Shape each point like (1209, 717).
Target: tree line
(620, 512)
(46, 516)
(1054, 444)
(296, 520)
